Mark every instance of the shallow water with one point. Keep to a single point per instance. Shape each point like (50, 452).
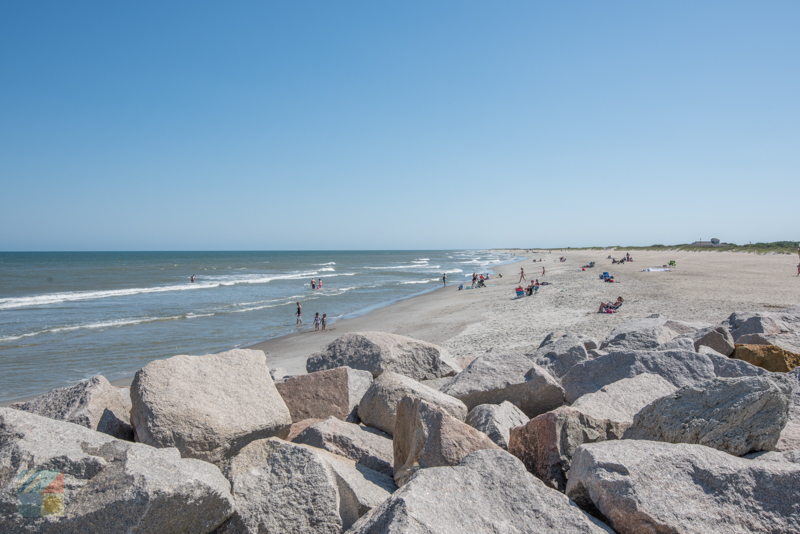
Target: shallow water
(66, 316)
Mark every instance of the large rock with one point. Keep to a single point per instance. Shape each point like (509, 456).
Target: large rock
(718, 338)
(680, 368)
(496, 377)
(378, 352)
(762, 323)
(378, 407)
(646, 486)
(496, 421)
(94, 403)
(769, 357)
(427, 436)
(792, 456)
(59, 477)
(208, 407)
(489, 491)
(367, 446)
(621, 400)
(546, 444)
(734, 415)
(647, 334)
(284, 487)
(790, 435)
(559, 352)
(323, 394)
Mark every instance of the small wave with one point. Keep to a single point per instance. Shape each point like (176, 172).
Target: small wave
(327, 269)
(329, 263)
(106, 324)
(419, 281)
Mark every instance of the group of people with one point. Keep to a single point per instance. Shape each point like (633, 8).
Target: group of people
(532, 288)
(319, 322)
(316, 284)
(479, 279)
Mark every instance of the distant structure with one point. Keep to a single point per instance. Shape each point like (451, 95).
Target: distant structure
(713, 243)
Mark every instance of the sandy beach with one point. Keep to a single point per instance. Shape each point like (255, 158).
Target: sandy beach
(703, 287)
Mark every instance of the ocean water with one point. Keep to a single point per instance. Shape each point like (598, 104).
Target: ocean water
(66, 316)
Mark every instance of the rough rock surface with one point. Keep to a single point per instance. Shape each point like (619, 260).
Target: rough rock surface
(790, 435)
(621, 400)
(437, 383)
(496, 421)
(680, 368)
(298, 427)
(208, 407)
(547, 442)
(378, 407)
(496, 377)
(718, 338)
(679, 343)
(489, 491)
(427, 436)
(284, 487)
(108, 485)
(789, 341)
(646, 486)
(377, 352)
(647, 334)
(769, 357)
(559, 352)
(94, 403)
(734, 415)
(319, 395)
(367, 446)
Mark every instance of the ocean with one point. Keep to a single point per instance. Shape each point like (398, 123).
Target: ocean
(65, 316)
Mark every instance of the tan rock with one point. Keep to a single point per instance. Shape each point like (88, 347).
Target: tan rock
(427, 436)
(298, 427)
(769, 357)
(329, 393)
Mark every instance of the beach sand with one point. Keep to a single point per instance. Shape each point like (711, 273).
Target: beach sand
(703, 287)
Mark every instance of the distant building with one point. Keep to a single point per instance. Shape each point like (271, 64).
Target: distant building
(713, 243)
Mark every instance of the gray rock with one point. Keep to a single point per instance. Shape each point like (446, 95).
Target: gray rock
(718, 339)
(702, 349)
(589, 343)
(496, 421)
(790, 435)
(620, 401)
(646, 486)
(734, 415)
(426, 436)
(367, 446)
(489, 491)
(436, 383)
(323, 394)
(378, 407)
(646, 334)
(546, 444)
(679, 343)
(377, 352)
(94, 403)
(762, 323)
(680, 368)
(285, 487)
(496, 377)
(558, 353)
(106, 484)
(773, 456)
(208, 407)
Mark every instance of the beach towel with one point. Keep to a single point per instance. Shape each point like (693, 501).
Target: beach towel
(655, 270)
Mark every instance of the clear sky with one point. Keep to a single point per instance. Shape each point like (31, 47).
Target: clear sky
(397, 124)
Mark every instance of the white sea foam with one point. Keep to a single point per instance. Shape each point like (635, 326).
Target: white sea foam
(329, 263)
(57, 298)
(104, 324)
(327, 269)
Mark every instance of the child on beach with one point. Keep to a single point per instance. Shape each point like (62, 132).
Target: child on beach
(316, 322)
(319, 283)
(299, 314)
(324, 320)
(444, 279)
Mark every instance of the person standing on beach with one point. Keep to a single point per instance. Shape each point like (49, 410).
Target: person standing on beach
(319, 283)
(542, 271)
(324, 321)
(193, 279)
(316, 322)
(444, 279)
(522, 276)
(299, 314)
(313, 284)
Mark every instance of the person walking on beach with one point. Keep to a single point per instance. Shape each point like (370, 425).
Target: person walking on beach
(316, 322)
(542, 271)
(444, 279)
(474, 279)
(324, 321)
(299, 314)
(522, 276)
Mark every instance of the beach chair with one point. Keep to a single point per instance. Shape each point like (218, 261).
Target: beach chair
(605, 276)
(520, 292)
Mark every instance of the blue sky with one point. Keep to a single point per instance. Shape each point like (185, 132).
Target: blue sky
(397, 125)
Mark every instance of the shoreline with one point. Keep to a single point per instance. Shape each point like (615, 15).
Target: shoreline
(284, 349)
(704, 288)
